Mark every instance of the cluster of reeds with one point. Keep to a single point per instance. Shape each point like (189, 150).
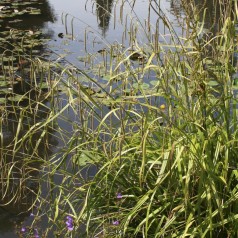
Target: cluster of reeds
(148, 161)
(164, 160)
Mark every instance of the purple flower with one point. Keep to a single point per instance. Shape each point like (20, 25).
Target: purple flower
(69, 218)
(23, 229)
(119, 195)
(69, 223)
(36, 235)
(31, 215)
(115, 223)
(70, 227)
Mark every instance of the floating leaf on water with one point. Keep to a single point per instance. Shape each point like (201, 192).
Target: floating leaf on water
(21, 12)
(36, 12)
(142, 86)
(32, 44)
(18, 49)
(154, 82)
(10, 68)
(235, 81)
(127, 91)
(137, 57)
(2, 39)
(82, 59)
(100, 95)
(86, 157)
(102, 51)
(9, 58)
(82, 78)
(4, 84)
(2, 78)
(235, 87)
(213, 83)
(106, 102)
(3, 101)
(5, 33)
(209, 62)
(43, 85)
(17, 98)
(21, 3)
(106, 77)
(92, 90)
(35, 51)
(15, 21)
(69, 36)
(4, 91)
(62, 55)
(134, 56)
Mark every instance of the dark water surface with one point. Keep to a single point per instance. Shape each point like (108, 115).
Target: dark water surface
(68, 23)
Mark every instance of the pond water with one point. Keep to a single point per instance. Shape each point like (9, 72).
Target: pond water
(74, 19)
(76, 29)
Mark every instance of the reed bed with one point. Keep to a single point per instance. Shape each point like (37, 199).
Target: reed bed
(146, 161)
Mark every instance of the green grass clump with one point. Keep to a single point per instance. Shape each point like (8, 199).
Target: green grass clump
(167, 161)
(154, 149)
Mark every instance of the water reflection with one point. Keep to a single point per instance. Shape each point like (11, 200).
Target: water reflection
(21, 162)
(211, 17)
(104, 9)
(21, 158)
(23, 16)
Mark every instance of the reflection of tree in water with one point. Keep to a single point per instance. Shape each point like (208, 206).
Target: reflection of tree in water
(22, 17)
(215, 12)
(207, 11)
(20, 161)
(104, 9)
(176, 8)
(212, 14)
(26, 21)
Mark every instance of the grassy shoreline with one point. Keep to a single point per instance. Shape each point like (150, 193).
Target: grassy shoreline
(154, 146)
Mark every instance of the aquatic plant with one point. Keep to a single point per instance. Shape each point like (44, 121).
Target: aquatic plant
(154, 143)
(169, 148)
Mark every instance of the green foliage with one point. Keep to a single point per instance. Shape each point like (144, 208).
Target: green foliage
(169, 172)
(154, 149)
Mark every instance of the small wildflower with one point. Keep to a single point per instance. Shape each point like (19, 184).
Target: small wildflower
(69, 218)
(119, 195)
(70, 227)
(23, 229)
(36, 234)
(69, 223)
(31, 215)
(115, 223)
